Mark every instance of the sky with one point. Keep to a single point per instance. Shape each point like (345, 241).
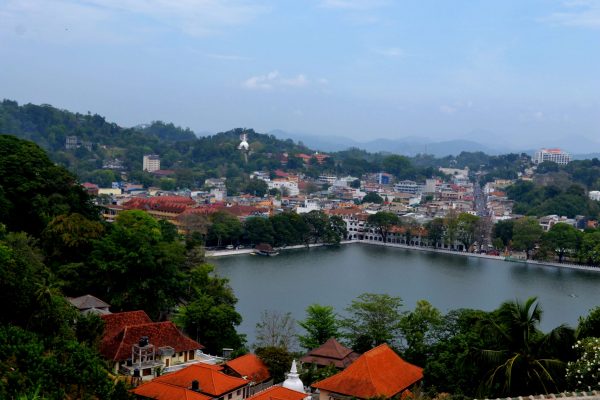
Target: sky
(516, 72)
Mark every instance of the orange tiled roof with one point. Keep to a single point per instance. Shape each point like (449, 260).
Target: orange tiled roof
(278, 393)
(250, 366)
(331, 352)
(165, 391)
(378, 372)
(212, 381)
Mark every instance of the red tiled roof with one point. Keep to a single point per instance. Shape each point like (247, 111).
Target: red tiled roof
(278, 393)
(331, 352)
(123, 330)
(212, 381)
(165, 391)
(378, 372)
(250, 366)
(115, 323)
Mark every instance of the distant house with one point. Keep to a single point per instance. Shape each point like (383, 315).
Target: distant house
(379, 372)
(331, 352)
(197, 379)
(89, 304)
(139, 347)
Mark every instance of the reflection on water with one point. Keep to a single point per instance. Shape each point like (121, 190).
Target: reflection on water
(335, 276)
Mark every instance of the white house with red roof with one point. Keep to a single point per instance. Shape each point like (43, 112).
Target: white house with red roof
(137, 346)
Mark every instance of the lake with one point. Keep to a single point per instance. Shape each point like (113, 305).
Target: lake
(335, 276)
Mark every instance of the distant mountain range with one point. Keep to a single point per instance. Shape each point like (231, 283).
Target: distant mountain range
(410, 146)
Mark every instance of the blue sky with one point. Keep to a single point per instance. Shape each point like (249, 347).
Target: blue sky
(523, 72)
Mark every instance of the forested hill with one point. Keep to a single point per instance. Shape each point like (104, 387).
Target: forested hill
(102, 145)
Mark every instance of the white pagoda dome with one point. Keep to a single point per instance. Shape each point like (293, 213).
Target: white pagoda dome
(293, 381)
(244, 142)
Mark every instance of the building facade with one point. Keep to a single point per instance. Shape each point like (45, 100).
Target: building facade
(151, 162)
(553, 155)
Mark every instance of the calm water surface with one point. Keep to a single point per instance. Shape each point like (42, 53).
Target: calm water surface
(335, 276)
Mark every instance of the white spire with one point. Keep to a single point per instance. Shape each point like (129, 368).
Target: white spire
(293, 381)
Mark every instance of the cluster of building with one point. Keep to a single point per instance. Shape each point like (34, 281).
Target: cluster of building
(163, 363)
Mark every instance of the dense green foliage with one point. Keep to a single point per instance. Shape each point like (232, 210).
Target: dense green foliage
(320, 325)
(564, 198)
(46, 347)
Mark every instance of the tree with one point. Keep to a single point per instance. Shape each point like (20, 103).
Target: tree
(589, 250)
(336, 231)
(418, 328)
(277, 359)
(527, 233)
(224, 228)
(257, 187)
(259, 230)
(289, 228)
(466, 227)
(526, 361)
(503, 230)
(562, 239)
(373, 319)
(383, 221)
(372, 197)
(317, 223)
(276, 329)
(589, 326)
(34, 189)
(210, 316)
(435, 231)
(135, 267)
(320, 325)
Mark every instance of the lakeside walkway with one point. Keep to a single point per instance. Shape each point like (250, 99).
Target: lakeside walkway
(233, 252)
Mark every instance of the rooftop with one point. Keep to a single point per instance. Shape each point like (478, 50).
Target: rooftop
(251, 367)
(378, 372)
(278, 393)
(212, 381)
(166, 391)
(331, 352)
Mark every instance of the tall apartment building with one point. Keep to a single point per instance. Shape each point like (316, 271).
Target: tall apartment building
(151, 163)
(553, 155)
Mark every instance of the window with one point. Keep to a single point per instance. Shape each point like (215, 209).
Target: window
(230, 395)
(238, 392)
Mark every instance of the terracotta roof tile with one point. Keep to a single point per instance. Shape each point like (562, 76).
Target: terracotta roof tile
(115, 323)
(278, 393)
(250, 366)
(123, 330)
(331, 352)
(212, 382)
(164, 391)
(378, 372)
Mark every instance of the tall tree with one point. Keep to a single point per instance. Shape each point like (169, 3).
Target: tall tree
(526, 360)
(527, 233)
(276, 329)
(209, 314)
(383, 221)
(562, 239)
(372, 319)
(320, 325)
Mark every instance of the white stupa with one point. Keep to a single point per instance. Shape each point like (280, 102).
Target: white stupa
(244, 146)
(293, 381)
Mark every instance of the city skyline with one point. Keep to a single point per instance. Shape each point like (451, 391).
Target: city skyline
(525, 72)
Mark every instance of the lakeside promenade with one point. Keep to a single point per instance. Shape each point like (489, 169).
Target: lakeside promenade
(233, 252)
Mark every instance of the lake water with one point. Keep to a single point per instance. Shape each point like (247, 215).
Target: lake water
(335, 276)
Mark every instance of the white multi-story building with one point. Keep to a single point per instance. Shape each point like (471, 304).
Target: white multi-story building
(594, 195)
(553, 155)
(151, 162)
(280, 184)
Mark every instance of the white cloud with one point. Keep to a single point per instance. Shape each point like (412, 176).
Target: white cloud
(539, 115)
(577, 13)
(273, 79)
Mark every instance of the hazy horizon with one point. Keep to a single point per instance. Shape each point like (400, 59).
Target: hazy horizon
(516, 74)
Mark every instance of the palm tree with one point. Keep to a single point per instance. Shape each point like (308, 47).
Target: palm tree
(527, 360)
